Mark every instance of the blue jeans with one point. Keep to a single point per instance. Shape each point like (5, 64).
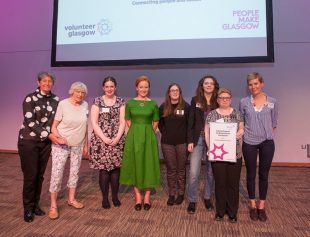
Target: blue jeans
(199, 152)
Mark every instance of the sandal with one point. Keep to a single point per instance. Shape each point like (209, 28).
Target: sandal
(76, 204)
(53, 213)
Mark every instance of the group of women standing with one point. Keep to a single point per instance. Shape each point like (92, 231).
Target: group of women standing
(134, 160)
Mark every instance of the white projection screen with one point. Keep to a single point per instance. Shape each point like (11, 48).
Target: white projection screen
(150, 32)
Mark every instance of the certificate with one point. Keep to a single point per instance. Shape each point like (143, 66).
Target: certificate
(222, 141)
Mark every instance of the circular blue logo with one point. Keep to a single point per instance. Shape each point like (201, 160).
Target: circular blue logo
(104, 27)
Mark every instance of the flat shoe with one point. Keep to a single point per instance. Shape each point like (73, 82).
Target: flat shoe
(38, 211)
(208, 204)
(138, 207)
(147, 206)
(253, 214)
(76, 204)
(106, 204)
(191, 208)
(233, 219)
(116, 202)
(219, 217)
(28, 216)
(171, 200)
(179, 199)
(262, 215)
(53, 213)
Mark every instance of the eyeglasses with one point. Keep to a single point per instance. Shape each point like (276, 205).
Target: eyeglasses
(224, 98)
(174, 90)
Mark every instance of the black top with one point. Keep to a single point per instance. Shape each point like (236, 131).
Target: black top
(196, 121)
(39, 112)
(173, 128)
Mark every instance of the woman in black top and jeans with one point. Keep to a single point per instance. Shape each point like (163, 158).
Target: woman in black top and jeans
(173, 127)
(201, 106)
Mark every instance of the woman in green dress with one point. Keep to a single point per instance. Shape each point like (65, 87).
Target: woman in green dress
(140, 165)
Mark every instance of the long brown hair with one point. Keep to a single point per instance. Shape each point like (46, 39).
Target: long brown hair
(168, 108)
(200, 97)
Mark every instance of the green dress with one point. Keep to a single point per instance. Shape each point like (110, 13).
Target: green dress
(140, 165)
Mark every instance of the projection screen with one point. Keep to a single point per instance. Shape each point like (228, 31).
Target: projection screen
(147, 32)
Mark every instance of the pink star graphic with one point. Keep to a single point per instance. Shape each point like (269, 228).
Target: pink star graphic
(223, 152)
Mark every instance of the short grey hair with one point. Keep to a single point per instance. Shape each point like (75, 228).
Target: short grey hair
(41, 75)
(78, 86)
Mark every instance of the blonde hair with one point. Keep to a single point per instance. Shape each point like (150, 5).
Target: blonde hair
(254, 75)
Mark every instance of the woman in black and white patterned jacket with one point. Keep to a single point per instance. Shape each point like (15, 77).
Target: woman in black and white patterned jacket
(34, 141)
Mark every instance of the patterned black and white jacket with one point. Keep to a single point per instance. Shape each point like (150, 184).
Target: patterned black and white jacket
(39, 112)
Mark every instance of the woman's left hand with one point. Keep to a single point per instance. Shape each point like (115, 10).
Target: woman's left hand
(114, 141)
(85, 152)
(239, 134)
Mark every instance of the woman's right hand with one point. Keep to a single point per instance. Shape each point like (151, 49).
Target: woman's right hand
(57, 139)
(190, 147)
(62, 141)
(107, 141)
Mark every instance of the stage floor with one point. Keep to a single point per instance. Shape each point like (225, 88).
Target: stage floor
(288, 209)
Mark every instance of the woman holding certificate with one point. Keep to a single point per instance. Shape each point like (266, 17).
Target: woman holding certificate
(226, 174)
(260, 116)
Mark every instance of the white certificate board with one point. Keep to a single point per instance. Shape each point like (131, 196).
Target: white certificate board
(222, 142)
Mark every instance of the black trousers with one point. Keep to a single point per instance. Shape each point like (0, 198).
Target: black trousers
(265, 152)
(34, 156)
(175, 158)
(227, 178)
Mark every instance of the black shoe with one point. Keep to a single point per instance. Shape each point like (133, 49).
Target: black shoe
(171, 200)
(116, 202)
(179, 200)
(106, 204)
(147, 206)
(219, 217)
(233, 219)
(191, 208)
(138, 206)
(28, 216)
(38, 211)
(262, 214)
(208, 204)
(253, 214)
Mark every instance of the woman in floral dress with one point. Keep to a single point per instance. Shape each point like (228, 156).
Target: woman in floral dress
(107, 140)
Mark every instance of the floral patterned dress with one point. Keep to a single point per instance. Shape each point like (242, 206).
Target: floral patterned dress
(103, 156)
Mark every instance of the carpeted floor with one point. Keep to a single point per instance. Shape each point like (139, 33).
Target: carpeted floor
(288, 209)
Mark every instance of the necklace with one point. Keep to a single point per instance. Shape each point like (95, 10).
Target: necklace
(141, 101)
